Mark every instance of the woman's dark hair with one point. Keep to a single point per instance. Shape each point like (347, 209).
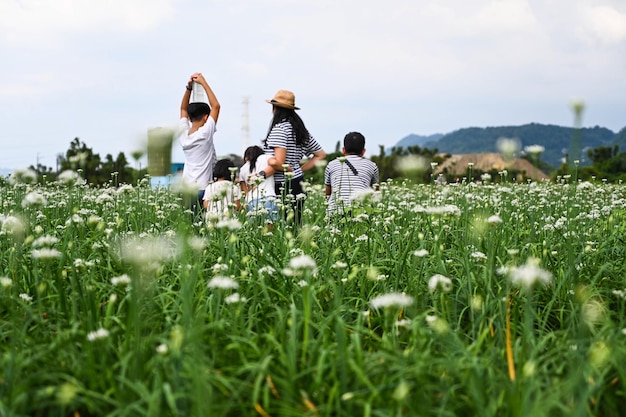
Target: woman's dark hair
(221, 171)
(252, 153)
(300, 132)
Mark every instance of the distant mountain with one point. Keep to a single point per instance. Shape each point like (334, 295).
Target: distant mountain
(419, 140)
(555, 139)
(4, 172)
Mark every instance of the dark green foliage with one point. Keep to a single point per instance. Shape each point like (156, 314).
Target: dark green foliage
(80, 157)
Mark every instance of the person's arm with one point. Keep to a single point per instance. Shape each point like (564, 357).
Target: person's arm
(215, 105)
(310, 163)
(329, 190)
(244, 187)
(277, 162)
(375, 180)
(186, 98)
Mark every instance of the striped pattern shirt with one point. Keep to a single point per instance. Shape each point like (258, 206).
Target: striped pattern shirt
(347, 175)
(283, 136)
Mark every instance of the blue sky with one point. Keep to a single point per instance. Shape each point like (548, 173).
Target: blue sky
(106, 71)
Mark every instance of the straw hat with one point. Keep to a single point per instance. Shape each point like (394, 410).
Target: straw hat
(285, 99)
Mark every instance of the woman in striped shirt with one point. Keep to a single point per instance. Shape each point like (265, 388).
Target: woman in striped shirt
(289, 141)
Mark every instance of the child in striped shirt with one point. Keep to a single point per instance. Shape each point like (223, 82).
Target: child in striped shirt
(349, 175)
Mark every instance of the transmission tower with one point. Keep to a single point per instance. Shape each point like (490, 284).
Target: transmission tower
(245, 128)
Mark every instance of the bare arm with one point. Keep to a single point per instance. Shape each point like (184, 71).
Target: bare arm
(329, 190)
(310, 163)
(277, 162)
(215, 105)
(244, 187)
(185, 102)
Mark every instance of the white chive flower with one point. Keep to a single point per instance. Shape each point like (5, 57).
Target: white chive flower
(391, 300)
(440, 282)
(97, 334)
(222, 282)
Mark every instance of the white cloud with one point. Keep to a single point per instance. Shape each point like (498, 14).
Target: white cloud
(28, 22)
(605, 25)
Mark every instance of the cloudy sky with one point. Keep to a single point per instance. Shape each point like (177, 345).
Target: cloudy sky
(106, 71)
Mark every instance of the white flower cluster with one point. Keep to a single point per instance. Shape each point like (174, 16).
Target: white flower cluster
(222, 283)
(393, 299)
(101, 333)
(528, 275)
(439, 282)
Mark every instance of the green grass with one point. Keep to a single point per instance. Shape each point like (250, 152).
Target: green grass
(306, 341)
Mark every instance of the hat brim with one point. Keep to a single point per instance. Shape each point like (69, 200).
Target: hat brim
(283, 105)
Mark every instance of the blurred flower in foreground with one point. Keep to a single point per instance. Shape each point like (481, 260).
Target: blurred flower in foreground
(45, 240)
(234, 298)
(23, 176)
(222, 282)
(412, 165)
(526, 276)
(98, 334)
(438, 324)
(45, 253)
(393, 299)
(66, 393)
(162, 349)
(303, 263)
(69, 178)
(12, 226)
(34, 199)
(121, 280)
(495, 219)
(26, 297)
(508, 147)
(147, 253)
(440, 282)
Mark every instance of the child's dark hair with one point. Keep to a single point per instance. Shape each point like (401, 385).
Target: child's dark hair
(252, 153)
(221, 171)
(197, 110)
(354, 143)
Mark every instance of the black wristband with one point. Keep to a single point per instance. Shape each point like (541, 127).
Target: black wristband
(188, 88)
(262, 174)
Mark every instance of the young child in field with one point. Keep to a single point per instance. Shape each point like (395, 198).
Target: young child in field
(349, 174)
(195, 135)
(221, 198)
(256, 178)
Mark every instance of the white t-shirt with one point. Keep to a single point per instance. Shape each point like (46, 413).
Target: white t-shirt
(199, 153)
(221, 197)
(265, 188)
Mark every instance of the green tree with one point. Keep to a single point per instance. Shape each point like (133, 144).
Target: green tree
(96, 171)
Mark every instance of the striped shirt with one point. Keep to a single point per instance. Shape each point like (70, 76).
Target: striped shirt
(283, 136)
(347, 175)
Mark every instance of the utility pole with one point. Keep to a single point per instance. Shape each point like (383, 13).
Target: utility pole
(245, 128)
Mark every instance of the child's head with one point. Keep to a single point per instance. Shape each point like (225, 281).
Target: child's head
(251, 154)
(197, 111)
(354, 144)
(221, 170)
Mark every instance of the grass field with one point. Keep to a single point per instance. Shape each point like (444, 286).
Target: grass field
(459, 300)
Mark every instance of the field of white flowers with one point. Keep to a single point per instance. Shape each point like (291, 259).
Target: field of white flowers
(457, 300)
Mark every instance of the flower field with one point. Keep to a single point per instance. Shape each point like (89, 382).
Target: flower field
(457, 300)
